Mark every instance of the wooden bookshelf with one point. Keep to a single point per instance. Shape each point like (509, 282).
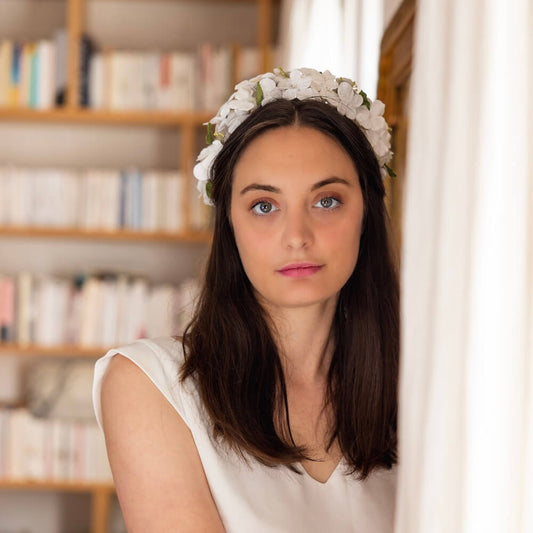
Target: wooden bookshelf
(89, 116)
(189, 125)
(201, 237)
(100, 493)
(64, 350)
(56, 485)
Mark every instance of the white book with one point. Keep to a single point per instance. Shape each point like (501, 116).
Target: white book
(74, 315)
(138, 299)
(24, 307)
(182, 81)
(150, 183)
(109, 313)
(71, 187)
(51, 302)
(46, 198)
(42, 311)
(123, 301)
(46, 86)
(48, 449)
(150, 80)
(174, 220)
(3, 441)
(78, 450)
(121, 86)
(61, 449)
(87, 194)
(97, 84)
(161, 202)
(83, 184)
(57, 206)
(17, 442)
(20, 184)
(93, 199)
(160, 311)
(98, 206)
(110, 199)
(4, 198)
(90, 311)
(61, 307)
(38, 196)
(97, 468)
(35, 446)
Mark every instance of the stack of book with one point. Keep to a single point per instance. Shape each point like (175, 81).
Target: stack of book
(98, 310)
(51, 449)
(33, 75)
(97, 199)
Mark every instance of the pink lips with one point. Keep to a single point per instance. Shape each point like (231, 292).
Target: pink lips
(300, 270)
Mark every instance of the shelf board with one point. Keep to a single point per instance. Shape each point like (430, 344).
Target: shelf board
(92, 116)
(116, 235)
(64, 350)
(53, 485)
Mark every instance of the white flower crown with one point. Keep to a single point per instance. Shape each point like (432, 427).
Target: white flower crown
(301, 84)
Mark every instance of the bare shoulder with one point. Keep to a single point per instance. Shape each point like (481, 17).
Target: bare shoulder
(159, 478)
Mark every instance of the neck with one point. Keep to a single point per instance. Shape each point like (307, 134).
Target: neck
(303, 336)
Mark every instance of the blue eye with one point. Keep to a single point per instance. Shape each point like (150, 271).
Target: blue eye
(263, 208)
(328, 203)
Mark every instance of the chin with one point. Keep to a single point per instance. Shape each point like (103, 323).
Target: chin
(298, 299)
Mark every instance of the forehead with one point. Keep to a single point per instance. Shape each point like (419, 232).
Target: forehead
(297, 151)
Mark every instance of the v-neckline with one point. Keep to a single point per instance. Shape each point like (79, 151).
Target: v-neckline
(317, 481)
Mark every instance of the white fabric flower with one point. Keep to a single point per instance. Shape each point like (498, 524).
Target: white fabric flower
(349, 100)
(372, 119)
(341, 93)
(203, 167)
(270, 90)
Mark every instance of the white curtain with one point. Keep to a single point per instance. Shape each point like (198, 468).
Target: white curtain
(342, 36)
(466, 387)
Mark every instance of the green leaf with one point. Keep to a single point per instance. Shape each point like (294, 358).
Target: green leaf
(258, 94)
(209, 189)
(283, 73)
(210, 136)
(366, 101)
(391, 172)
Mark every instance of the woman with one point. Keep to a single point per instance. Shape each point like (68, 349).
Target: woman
(277, 410)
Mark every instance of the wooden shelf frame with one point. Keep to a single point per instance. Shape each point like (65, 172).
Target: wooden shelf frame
(97, 116)
(56, 485)
(101, 494)
(62, 350)
(188, 123)
(190, 236)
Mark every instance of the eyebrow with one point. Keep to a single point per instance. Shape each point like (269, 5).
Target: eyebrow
(317, 185)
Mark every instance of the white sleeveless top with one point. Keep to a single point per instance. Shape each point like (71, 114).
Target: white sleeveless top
(256, 498)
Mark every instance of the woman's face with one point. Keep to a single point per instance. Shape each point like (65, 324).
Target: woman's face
(297, 212)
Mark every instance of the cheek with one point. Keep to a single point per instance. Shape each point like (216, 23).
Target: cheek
(253, 249)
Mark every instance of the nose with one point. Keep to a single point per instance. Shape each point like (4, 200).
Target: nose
(297, 230)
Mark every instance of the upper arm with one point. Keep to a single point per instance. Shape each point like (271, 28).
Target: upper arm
(159, 478)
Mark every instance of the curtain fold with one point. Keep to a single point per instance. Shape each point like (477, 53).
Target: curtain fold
(342, 36)
(466, 384)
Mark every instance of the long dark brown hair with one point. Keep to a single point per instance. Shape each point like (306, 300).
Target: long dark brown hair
(229, 344)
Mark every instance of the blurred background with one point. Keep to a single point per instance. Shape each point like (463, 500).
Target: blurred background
(103, 236)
